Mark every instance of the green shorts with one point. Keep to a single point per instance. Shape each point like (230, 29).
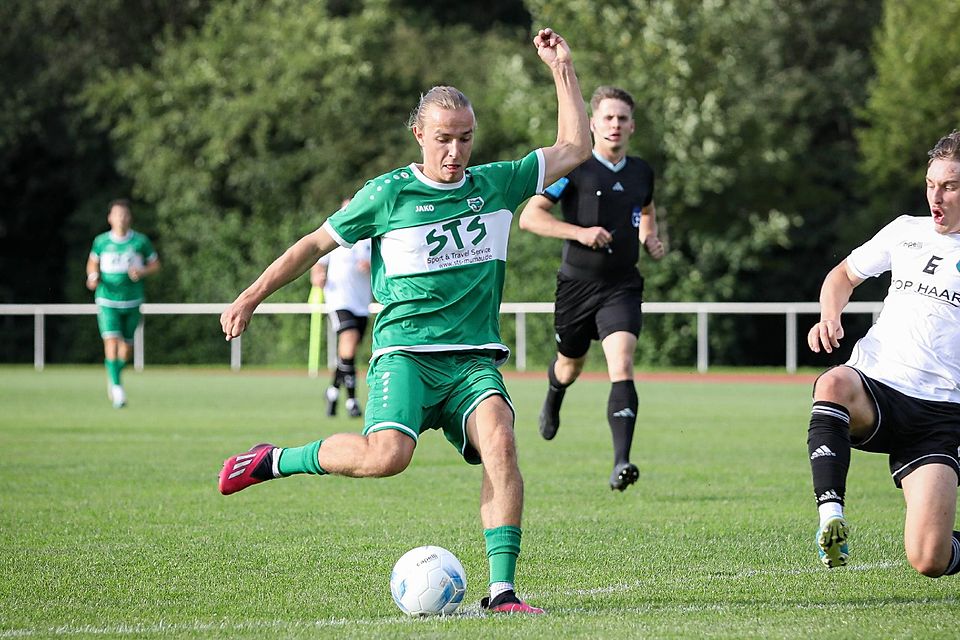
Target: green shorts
(414, 392)
(118, 323)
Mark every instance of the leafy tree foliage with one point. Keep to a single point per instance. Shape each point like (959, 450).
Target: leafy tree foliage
(745, 108)
(914, 99)
(247, 132)
(56, 170)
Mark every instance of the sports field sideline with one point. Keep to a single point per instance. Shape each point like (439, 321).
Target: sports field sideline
(112, 525)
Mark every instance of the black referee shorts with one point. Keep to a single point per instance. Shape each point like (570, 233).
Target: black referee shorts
(913, 432)
(591, 310)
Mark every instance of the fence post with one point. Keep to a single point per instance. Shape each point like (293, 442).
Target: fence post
(521, 321)
(703, 342)
(331, 346)
(235, 353)
(138, 346)
(791, 340)
(38, 346)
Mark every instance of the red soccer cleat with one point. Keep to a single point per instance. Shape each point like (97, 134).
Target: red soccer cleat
(508, 602)
(249, 468)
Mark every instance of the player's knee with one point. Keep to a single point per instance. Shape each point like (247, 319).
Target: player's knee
(567, 371)
(387, 464)
(928, 566)
(499, 446)
(927, 561)
(838, 386)
(387, 456)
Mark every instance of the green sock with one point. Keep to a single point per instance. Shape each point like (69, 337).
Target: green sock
(503, 547)
(113, 370)
(301, 460)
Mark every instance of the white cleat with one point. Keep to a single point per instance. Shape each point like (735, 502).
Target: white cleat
(118, 397)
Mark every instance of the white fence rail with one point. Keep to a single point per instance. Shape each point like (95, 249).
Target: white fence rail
(703, 311)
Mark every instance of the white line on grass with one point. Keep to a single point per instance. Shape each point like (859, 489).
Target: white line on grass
(201, 627)
(467, 611)
(640, 584)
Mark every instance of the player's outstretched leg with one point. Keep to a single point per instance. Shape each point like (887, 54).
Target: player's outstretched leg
(257, 465)
(832, 542)
(550, 413)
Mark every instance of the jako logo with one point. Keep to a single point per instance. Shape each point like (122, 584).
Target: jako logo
(424, 207)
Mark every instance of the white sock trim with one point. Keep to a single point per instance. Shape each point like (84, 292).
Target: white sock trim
(830, 510)
(496, 588)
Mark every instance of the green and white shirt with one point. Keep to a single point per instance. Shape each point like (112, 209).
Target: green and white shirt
(439, 252)
(115, 256)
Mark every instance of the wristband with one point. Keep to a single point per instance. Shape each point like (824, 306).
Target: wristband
(93, 275)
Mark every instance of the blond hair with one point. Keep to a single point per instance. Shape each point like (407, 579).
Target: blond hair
(441, 97)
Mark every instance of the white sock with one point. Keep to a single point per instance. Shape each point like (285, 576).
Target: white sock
(496, 588)
(829, 510)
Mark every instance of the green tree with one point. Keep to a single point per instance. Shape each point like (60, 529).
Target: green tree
(244, 134)
(745, 109)
(914, 99)
(56, 170)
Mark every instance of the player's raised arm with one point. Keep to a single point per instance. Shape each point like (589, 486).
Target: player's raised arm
(293, 263)
(573, 130)
(835, 293)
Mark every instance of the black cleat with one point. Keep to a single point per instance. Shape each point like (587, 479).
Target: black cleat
(550, 413)
(624, 475)
(353, 408)
(332, 395)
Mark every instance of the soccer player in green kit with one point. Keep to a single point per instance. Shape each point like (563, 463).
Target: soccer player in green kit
(439, 234)
(119, 261)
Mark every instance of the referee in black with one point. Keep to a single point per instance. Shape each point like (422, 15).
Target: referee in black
(608, 214)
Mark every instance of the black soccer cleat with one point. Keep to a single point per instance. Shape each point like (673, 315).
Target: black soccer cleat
(624, 475)
(550, 413)
(332, 395)
(353, 408)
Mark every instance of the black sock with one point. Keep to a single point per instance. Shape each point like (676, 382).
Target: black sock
(556, 390)
(953, 566)
(348, 373)
(337, 376)
(828, 443)
(622, 416)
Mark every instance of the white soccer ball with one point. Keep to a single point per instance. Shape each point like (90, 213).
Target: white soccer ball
(428, 581)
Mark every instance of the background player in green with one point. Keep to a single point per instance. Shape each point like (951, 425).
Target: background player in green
(119, 261)
(439, 237)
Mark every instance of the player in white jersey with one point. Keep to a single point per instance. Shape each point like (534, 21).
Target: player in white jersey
(899, 393)
(344, 276)
(439, 249)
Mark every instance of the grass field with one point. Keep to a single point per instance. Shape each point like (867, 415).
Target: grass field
(111, 524)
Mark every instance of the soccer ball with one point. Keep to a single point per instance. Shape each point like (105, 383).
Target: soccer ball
(428, 581)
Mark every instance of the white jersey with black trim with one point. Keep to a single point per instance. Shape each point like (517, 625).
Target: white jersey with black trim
(914, 346)
(348, 286)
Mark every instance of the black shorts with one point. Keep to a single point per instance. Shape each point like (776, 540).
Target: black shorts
(913, 432)
(344, 320)
(591, 310)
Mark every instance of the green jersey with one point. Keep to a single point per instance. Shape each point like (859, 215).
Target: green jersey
(439, 252)
(116, 256)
